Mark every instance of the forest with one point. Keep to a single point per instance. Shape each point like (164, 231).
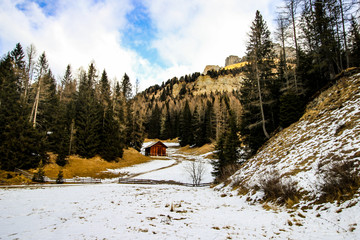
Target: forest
(84, 113)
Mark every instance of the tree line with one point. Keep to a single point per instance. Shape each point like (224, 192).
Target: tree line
(81, 115)
(317, 39)
(87, 116)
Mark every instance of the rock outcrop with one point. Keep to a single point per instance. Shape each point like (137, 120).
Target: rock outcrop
(230, 60)
(211, 67)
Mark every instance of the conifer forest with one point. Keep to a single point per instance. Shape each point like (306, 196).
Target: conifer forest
(87, 114)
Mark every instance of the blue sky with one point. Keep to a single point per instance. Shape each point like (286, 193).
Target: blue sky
(140, 32)
(150, 40)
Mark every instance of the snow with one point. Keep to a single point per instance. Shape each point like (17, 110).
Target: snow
(313, 143)
(144, 167)
(115, 211)
(178, 173)
(172, 167)
(122, 211)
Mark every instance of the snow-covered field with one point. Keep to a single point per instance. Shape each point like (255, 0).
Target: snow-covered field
(115, 211)
(172, 167)
(121, 211)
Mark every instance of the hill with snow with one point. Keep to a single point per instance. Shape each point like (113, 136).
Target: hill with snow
(308, 153)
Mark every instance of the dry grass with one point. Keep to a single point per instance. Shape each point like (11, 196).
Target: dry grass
(174, 140)
(11, 178)
(341, 181)
(93, 167)
(198, 150)
(278, 190)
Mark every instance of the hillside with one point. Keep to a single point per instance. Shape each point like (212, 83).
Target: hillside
(306, 154)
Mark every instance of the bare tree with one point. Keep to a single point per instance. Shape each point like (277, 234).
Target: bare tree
(292, 5)
(196, 171)
(31, 54)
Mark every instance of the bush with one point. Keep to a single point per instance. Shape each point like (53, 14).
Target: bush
(278, 190)
(60, 177)
(39, 176)
(340, 181)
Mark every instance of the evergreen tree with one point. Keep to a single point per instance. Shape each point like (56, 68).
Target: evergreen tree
(291, 106)
(260, 91)
(186, 134)
(168, 128)
(227, 149)
(208, 125)
(65, 119)
(88, 116)
(111, 144)
(21, 146)
(354, 43)
(154, 123)
(197, 128)
(137, 132)
(126, 87)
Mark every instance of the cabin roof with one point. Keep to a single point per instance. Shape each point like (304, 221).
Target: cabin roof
(158, 142)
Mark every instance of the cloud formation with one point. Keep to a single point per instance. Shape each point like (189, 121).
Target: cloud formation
(173, 38)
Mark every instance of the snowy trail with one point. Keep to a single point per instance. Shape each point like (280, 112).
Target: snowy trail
(169, 168)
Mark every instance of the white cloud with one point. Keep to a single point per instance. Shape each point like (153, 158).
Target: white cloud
(190, 34)
(78, 33)
(195, 33)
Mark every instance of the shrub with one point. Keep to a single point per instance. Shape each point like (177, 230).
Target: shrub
(226, 172)
(340, 181)
(39, 176)
(60, 177)
(279, 190)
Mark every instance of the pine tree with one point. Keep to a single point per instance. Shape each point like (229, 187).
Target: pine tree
(65, 118)
(137, 132)
(260, 91)
(354, 40)
(21, 146)
(154, 124)
(111, 144)
(168, 129)
(186, 134)
(227, 148)
(126, 87)
(197, 128)
(88, 116)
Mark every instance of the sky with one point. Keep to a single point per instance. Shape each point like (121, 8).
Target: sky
(150, 40)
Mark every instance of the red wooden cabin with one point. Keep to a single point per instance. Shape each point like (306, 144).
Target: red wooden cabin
(156, 149)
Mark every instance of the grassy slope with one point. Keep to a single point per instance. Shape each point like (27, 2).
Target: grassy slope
(329, 131)
(95, 166)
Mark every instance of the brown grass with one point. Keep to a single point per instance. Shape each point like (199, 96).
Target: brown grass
(93, 167)
(198, 150)
(277, 190)
(174, 140)
(340, 181)
(11, 178)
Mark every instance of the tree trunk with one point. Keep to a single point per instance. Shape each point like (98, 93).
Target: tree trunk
(71, 135)
(261, 102)
(344, 35)
(292, 11)
(35, 106)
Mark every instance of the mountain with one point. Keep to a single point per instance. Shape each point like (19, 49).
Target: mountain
(161, 107)
(316, 158)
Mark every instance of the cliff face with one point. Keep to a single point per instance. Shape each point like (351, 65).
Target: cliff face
(230, 60)
(206, 84)
(211, 67)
